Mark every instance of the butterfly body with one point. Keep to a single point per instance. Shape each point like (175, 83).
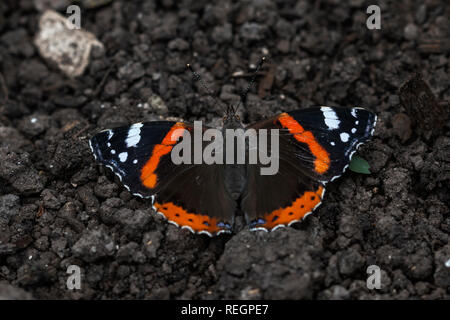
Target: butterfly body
(235, 174)
(313, 146)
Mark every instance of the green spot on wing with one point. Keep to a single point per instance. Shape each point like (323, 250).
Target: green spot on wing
(359, 165)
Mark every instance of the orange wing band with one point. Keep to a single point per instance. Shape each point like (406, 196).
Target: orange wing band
(296, 211)
(148, 176)
(182, 218)
(322, 162)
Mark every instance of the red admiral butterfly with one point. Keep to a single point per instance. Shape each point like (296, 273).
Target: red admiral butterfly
(315, 147)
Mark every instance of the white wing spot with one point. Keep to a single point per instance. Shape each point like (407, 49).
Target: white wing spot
(330, 118)
(356, 122)
(332, 143)
(353, 130)
(123, 156)
(135, 161)
(353, 112)
(134, 135)
(344, 137)
(110, 134)
(113, 151)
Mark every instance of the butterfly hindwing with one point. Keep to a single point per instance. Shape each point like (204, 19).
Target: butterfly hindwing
(197, 199)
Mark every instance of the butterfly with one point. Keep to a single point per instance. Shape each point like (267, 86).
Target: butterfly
(315, 146)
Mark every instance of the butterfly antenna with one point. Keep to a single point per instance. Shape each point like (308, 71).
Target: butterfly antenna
(244, 94)
(197, 77)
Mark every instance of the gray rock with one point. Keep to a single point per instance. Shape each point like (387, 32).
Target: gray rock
(12, 139)
(152, 242)
(222, 33)
(397, 182)
(339, 293)
(133, 221)
(9, 207)
(411, 32)
(350, 261)
(10, 292)
(442, 263)
(253, 31)
(131, 71)
(274, 262)
(419, 265)
(178, 44)
(51, 199)
(19, 172)
(94, 245)
(88, 198)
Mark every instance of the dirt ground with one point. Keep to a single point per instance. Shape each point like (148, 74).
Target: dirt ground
(59, 208)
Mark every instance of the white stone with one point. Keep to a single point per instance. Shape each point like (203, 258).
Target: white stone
(68, 47)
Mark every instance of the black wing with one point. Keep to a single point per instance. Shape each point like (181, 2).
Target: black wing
(315, 147)
(191, 196)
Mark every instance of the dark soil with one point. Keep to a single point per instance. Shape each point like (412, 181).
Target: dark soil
(59, 208)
